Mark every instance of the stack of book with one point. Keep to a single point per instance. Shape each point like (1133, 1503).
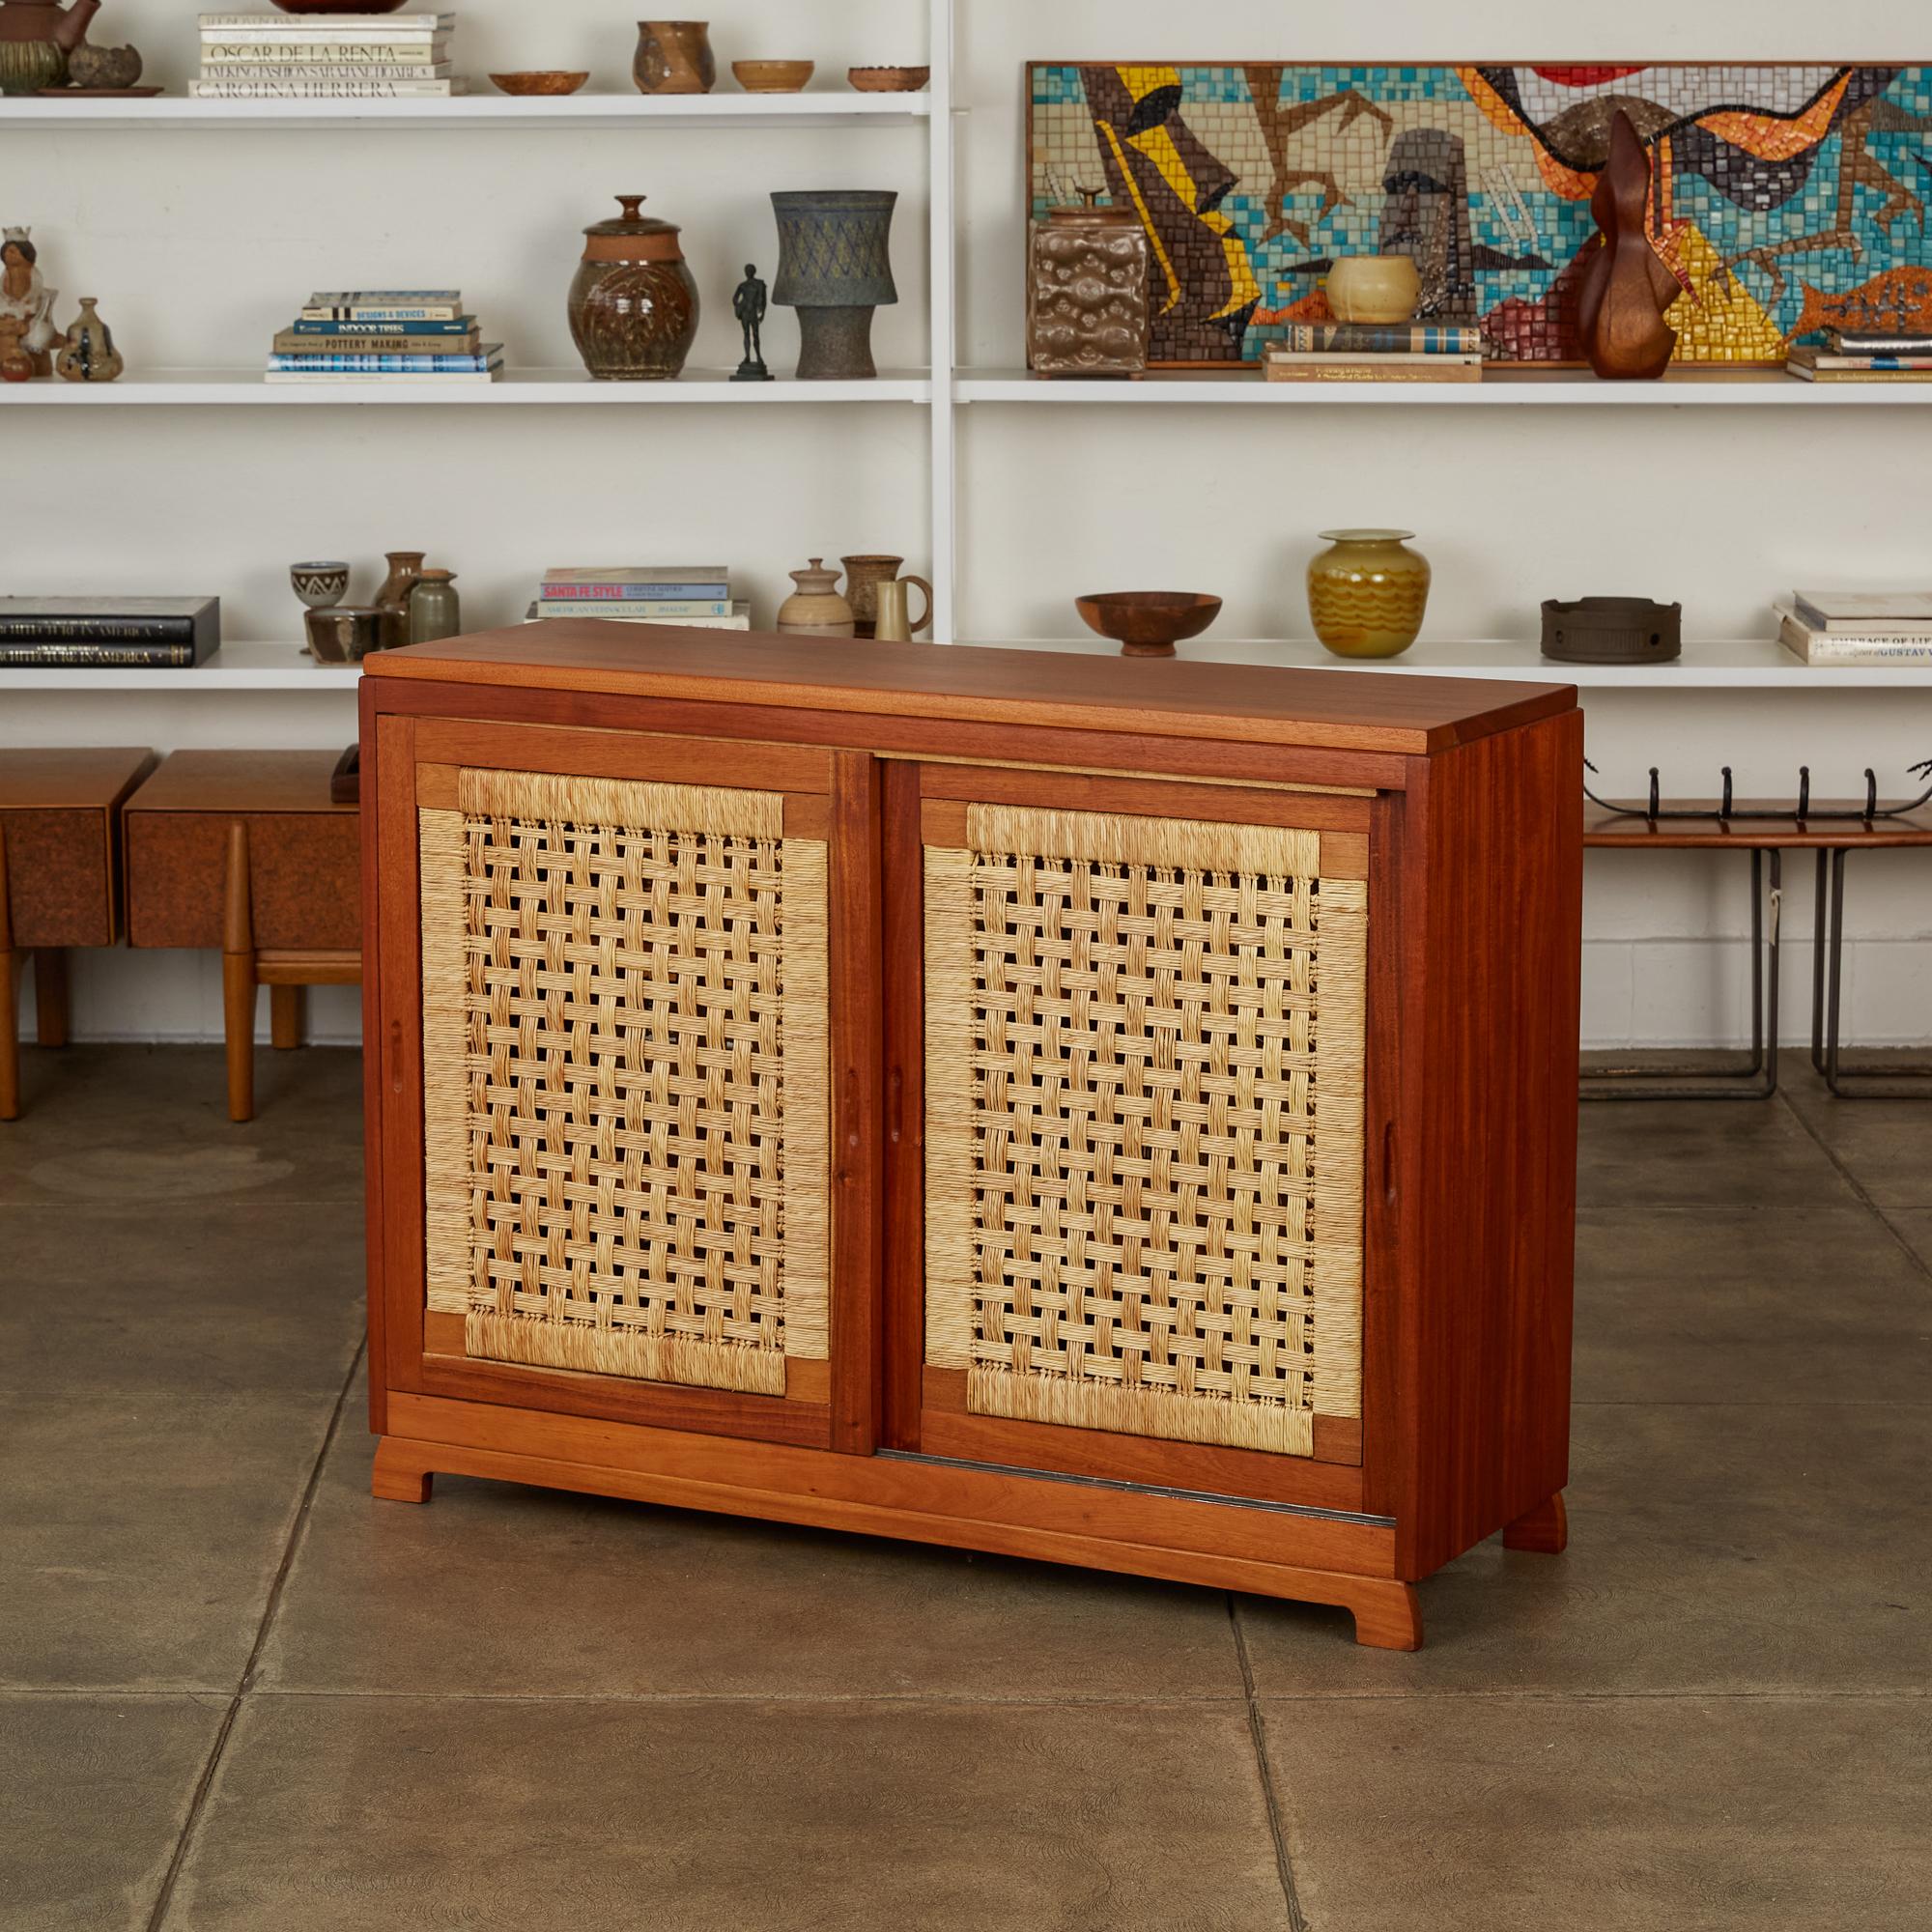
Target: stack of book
(108, 633)
(325, 57)
(696, 594)
(1857, 626)
(384, 335)
(1864, 356)
(1374, 352)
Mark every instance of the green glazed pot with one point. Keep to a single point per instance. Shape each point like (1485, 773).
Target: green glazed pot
(27, 66)
(1367, 593)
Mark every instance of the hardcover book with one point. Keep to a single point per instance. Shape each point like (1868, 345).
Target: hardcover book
(640, 573)
(51, 631)
(278, 26)
(1371, 338)
(638, 592)
(489, 356)
(326, 90)
(1819, 647)
(737, 619)
(454, 326)
(636, 607)
(330, 339)
(1894, 611)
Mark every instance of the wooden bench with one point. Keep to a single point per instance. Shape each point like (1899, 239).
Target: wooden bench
(1765, 839)
(244, 851)
(60, 881)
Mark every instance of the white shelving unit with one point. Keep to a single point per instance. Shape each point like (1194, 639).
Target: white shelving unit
(941, 390)
(1735, 664)
(543, 389)
(821, 108)
(235, 667)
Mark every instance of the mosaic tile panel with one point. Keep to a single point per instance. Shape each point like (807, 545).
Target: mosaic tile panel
(1785, 199)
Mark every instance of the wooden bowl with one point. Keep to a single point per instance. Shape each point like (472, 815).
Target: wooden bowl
(1149, 623)
(773, 77)
(547, 81)
(889, 80)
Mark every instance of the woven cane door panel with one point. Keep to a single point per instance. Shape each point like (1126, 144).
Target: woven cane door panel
(625, 1057)
(1144, 1119)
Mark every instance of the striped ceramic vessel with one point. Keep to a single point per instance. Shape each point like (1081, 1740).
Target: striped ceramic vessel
(1367, 593)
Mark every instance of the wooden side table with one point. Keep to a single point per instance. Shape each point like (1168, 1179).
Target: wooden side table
(244, 851)
(59, 880)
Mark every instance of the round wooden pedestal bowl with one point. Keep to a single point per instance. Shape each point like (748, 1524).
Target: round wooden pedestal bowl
(1149, 623)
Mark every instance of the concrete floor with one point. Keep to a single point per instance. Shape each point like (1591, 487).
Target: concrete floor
(237, 1694)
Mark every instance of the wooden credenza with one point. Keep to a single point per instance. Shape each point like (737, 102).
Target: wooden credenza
(1114, 1112)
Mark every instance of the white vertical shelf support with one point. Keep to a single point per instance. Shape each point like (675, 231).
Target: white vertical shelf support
(941, 189)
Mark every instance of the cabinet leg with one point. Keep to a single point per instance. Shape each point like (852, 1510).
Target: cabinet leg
(51, 1002)
(237, 977)
(1544, 1530)
(399, 1477)
(9, 1026)
(1388, 1615)
(288, 1014)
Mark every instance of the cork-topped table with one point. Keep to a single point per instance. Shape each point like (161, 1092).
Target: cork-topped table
(59, 880)
(245, 852)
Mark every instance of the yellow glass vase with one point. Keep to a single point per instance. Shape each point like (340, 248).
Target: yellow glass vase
(1367, 593)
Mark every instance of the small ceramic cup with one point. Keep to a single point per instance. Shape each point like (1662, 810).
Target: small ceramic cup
(344, 634)
(320, 585)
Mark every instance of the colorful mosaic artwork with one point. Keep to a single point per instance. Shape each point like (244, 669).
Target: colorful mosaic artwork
(1784, 199)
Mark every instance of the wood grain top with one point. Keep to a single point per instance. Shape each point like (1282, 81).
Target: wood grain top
(1631, 831)
(52, 777)
(240, 781)
(1168, 697)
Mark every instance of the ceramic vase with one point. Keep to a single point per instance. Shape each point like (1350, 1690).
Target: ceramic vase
(864, 576)
(89, 355)
(1373, 288)
(835, 267)
(1367, 592)
(1087, 293)
(434, 611)
(673, 57)
(633, 305)
(815, 609)
(394, 598)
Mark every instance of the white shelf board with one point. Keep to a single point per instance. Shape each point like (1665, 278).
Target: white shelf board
(826, 107)
(1245, 388)
(237, 667)
(546, 388)
(1741, 665)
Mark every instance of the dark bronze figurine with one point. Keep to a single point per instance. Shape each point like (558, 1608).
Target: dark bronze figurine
(747, 304)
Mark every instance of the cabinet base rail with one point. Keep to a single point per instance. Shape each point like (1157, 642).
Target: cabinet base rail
(913, 1503)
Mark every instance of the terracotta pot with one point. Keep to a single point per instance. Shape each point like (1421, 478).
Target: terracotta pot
(674, 57)
(1373, 288)
(1368, 593)
(633, 305)
(815, 609)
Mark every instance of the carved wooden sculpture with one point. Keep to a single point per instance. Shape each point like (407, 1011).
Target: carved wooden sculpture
(1625, 288)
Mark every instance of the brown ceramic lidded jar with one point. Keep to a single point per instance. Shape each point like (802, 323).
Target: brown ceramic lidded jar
(1087, 291)
(634, 304)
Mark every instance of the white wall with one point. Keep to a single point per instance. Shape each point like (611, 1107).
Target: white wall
(200, 243)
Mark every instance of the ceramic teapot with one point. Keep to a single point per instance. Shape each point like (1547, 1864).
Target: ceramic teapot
(36, 37)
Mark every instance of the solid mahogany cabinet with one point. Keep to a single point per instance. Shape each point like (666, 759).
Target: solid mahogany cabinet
(1114, 1112)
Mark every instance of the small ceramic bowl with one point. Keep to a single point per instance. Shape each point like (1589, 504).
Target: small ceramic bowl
(889, 80)
(320, 585)
(552, 80)
(1149, 623)
(773, 77)
(344, 634)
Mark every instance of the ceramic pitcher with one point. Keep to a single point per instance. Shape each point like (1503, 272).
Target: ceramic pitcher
(863, 575)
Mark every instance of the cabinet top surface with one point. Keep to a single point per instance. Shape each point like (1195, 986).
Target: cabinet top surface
(54, 777)
(1163, 697)
(240, 781)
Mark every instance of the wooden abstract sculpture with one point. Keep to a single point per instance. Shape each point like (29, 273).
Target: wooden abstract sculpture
(1626, 287)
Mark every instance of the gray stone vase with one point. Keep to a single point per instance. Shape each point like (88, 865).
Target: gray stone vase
(835, 267)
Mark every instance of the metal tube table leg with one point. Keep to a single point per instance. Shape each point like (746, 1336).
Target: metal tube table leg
(1844, 1080)
(1758, 1079)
